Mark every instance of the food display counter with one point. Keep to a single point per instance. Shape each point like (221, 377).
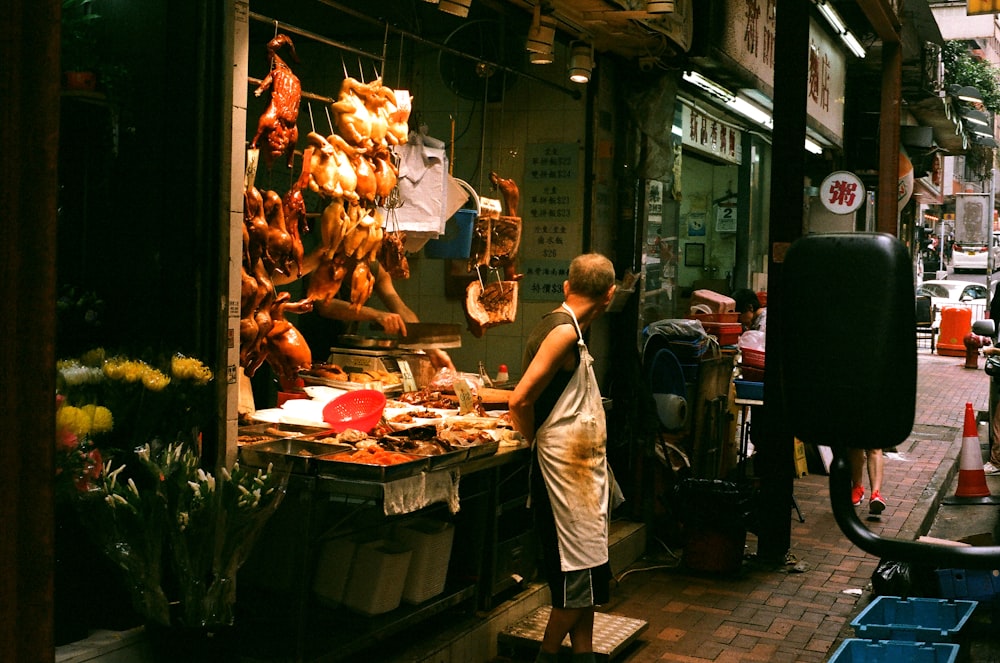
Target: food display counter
(333, 572)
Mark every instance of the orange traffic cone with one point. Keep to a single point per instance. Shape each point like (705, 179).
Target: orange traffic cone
(971, 477)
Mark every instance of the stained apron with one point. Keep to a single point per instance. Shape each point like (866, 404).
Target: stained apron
(571, 446)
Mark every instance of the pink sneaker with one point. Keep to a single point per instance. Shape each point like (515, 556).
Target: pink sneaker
(857, 495)
(876, 505)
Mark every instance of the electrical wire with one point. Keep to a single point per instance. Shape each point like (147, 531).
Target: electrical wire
(658, 567)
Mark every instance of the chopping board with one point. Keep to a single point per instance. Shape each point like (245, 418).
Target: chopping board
(429, 335)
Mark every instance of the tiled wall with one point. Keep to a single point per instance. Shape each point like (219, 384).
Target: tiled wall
(531, 112)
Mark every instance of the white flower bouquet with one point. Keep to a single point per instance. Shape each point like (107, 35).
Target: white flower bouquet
(180, 533)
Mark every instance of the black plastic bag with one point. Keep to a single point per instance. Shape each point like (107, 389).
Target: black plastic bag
(715, 503)
(892, 578)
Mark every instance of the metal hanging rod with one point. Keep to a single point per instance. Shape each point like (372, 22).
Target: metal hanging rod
(442, 47)
(305, 95)
(312, 35)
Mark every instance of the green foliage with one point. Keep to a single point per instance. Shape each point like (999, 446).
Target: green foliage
(961, 68)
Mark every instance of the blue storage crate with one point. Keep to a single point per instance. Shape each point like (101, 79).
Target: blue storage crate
(976, 585)
(913, 619)
(748, 390)
(855, 650)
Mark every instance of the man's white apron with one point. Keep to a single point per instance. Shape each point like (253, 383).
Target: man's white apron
(571, 445)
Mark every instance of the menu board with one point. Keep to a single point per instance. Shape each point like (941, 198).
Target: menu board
(552, 218)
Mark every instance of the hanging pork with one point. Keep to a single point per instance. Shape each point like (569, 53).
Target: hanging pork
(490, 304)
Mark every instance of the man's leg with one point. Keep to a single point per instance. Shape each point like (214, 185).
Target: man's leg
(563, 621)
(994, 424)
(582, 634)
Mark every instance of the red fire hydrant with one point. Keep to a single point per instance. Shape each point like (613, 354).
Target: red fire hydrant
(972, 344)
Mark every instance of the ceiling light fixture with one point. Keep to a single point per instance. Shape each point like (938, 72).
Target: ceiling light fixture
(813, 146)
(853, 44)
(984, 140)
(751, 112)
(975, 117)
(741, 106)
(966, 93)
(838, 25)
(708, 85)
(581, 62)
(659, 6)
(831, 16)
(542, 58)
(458, 8)
(541, 37)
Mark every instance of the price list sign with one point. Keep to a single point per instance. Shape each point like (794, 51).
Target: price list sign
(551, 214)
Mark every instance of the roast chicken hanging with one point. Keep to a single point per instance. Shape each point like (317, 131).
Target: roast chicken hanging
(354, 172)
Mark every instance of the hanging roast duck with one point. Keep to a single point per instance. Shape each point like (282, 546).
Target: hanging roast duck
(278, 124)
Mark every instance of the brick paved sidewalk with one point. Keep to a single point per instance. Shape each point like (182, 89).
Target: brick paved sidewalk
(799, 613)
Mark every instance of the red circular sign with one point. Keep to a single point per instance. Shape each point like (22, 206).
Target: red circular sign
(842, 192)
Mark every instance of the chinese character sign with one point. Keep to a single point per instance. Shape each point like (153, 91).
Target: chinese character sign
(708, 133)
(543, 279)
(842, 192)
(552, 217)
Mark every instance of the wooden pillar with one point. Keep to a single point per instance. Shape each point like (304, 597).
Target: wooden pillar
(887, 210)
(29, 131)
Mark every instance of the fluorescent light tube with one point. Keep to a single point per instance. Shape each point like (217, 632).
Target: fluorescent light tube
(707, 84)
(853, 44)
(751, 112)
(832, 17)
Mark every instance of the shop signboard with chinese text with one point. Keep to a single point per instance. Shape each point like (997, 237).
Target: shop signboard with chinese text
(746, 37)
(706, 133)
(552, 218)
(842, 192)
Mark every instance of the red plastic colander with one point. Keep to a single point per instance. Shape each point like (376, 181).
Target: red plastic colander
(360, 410)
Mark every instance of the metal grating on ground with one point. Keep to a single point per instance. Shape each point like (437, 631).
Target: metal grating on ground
(612, 633)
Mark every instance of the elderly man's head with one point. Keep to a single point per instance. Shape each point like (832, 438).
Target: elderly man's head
(591, 275)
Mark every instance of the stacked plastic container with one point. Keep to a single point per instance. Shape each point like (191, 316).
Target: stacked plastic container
(921, 630)
(718, 314)
(373, 576)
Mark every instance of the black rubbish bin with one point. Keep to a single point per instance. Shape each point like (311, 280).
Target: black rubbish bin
(714, 516)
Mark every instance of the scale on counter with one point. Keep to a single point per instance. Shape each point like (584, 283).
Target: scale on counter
(414, 368)
(375, 352)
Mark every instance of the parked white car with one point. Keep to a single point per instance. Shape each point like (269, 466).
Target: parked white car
(956, 293)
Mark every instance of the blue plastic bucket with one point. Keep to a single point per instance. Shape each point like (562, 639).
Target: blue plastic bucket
(456, 242)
